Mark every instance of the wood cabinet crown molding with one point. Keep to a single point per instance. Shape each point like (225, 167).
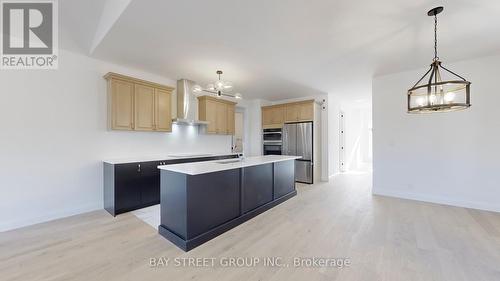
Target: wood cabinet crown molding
(288, 103)
(216, 99)
(113, 75)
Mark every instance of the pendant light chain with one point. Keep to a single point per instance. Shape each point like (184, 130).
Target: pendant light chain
(435, 38)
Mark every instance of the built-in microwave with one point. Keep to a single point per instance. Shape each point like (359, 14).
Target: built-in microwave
(271, 135)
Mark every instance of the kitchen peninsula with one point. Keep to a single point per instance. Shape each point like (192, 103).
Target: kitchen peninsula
(202, 200)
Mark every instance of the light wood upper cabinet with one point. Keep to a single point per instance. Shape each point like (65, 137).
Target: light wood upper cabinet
(218, 112)
(163, 107)
(273, 116)
(299, 111)
(230, 119)
(221, 118)
(267, 116)
(121, 104)
(207, 111)
(292, 112)
(144, 108)
(306, 111)
(136, 104)
(278, 115)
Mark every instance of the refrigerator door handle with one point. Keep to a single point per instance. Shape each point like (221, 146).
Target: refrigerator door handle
(284, 140)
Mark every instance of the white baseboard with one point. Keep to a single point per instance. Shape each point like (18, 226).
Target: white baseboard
(437, 200)
(10, 225)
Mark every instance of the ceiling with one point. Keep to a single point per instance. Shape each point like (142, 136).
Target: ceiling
(279, 49)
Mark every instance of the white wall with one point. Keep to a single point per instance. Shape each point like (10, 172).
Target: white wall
(449, 158)
(357, 125)
(54, 137)
(255, 127)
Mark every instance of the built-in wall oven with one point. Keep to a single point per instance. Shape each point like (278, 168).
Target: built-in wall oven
(271, 139)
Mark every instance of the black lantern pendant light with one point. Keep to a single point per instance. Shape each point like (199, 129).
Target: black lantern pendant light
(444, 90)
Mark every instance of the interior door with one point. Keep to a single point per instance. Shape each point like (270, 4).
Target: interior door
(289, 139)
(304, 140)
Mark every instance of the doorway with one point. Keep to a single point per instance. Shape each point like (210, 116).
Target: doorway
(355, 133)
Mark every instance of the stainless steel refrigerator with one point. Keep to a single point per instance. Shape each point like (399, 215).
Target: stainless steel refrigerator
(298, 140)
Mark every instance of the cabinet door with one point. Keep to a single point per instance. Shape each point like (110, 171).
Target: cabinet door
(230, 119)
(211, 116)
(292, 113)
(284, 178)
(306, 111)
(122, 105)
(213, 199)
(163, 118)
(150, 183)
(221, 117)
(278, 115)
(257, 186)
(127, 187)
(266, 116)
(144, 108)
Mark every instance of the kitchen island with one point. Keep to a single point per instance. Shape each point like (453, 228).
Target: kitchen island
(134, 183)
(200, 201)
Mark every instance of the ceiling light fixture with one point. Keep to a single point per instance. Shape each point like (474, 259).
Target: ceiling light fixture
(439, 94)
(219, 88)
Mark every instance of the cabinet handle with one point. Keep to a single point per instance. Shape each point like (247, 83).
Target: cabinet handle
(138, 168)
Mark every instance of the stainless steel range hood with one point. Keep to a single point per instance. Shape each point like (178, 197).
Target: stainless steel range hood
(187, 104)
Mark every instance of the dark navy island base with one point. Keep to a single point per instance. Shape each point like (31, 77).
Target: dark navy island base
(197, 208)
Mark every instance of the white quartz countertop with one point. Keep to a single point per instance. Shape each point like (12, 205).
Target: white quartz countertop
(197, 168)
(173, 156)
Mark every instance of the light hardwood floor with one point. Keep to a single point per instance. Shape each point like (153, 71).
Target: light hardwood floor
(384, 238)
